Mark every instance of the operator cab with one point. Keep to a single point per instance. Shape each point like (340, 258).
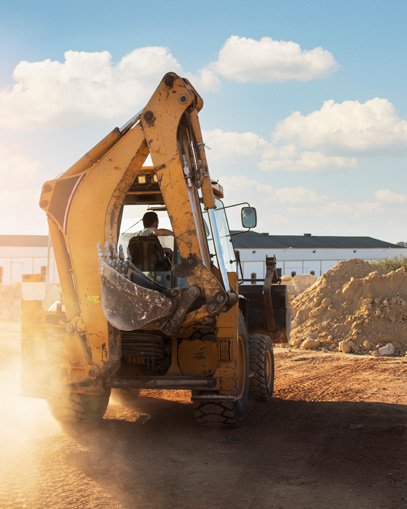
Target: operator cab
(153, 255)
(156, 255)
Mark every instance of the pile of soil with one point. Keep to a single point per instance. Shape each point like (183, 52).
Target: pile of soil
(353, 308)
(298, 283)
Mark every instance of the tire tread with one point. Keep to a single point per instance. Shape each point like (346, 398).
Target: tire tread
(259, 345)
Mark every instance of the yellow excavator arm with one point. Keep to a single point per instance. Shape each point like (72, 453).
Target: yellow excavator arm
(84, 205)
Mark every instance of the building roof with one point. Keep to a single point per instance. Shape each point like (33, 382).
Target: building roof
(254, 240)
(23, 240)
(246, 240)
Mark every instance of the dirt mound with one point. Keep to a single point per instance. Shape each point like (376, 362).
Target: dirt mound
(298, 283)
(353, 309)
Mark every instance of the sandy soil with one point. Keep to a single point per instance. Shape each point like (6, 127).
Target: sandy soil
(353, 308)
(334, 437)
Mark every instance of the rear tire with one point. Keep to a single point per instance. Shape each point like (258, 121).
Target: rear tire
(224, 412)
(79, 409)
(261, 367)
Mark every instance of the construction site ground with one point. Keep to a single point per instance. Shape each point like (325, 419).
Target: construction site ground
(333, 437)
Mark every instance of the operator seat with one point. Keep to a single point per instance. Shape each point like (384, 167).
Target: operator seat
(148, 254)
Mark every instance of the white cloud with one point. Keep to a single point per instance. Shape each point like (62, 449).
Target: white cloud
(385, 195)
(350, 127)
(290, 158)
(330, 139)
(238, 186)
(297, 195)
(248, 60)
(241, 187)
(89, 86)
(205, 80)
(233, 147)
(248, 148)
(346, 211)
(85, 84)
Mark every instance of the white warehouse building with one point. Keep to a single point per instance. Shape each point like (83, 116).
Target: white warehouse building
(29, 254)
(305, 253)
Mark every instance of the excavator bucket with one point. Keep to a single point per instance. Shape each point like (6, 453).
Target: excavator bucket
(130, 302)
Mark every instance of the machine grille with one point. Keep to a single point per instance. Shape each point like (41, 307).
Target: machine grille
(143, 349)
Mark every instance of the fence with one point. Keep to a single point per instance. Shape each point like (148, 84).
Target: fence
(257, 268)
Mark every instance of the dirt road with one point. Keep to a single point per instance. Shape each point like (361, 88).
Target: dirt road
(334, 437)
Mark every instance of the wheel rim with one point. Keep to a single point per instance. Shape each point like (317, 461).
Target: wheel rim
(269, 368)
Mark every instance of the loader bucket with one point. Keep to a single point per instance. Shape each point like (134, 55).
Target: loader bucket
(274, 320)
(130, 306)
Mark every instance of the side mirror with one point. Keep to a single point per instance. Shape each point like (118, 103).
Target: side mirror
(249, 217)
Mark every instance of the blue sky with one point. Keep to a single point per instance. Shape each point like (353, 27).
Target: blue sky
(305, 106)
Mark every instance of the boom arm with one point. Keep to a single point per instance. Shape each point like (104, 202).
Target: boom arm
(85, 203)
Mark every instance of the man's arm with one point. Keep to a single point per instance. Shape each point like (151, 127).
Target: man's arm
(162, 232)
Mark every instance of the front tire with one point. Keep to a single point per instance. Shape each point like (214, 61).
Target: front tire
(225, 412)
(79, 409)
(261, 367)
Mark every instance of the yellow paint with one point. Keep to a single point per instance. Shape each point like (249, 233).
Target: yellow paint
(93, 299)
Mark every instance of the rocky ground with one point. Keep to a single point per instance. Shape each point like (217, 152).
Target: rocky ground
(334, 436)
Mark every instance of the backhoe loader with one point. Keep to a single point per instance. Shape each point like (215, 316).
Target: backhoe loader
(146, 317)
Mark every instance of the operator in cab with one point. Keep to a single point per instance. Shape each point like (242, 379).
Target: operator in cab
(146, 249)
(150, 223)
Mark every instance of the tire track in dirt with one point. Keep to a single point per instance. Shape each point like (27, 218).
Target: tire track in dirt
(338, 377)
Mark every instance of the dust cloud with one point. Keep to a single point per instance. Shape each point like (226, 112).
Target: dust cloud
(35, 471)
